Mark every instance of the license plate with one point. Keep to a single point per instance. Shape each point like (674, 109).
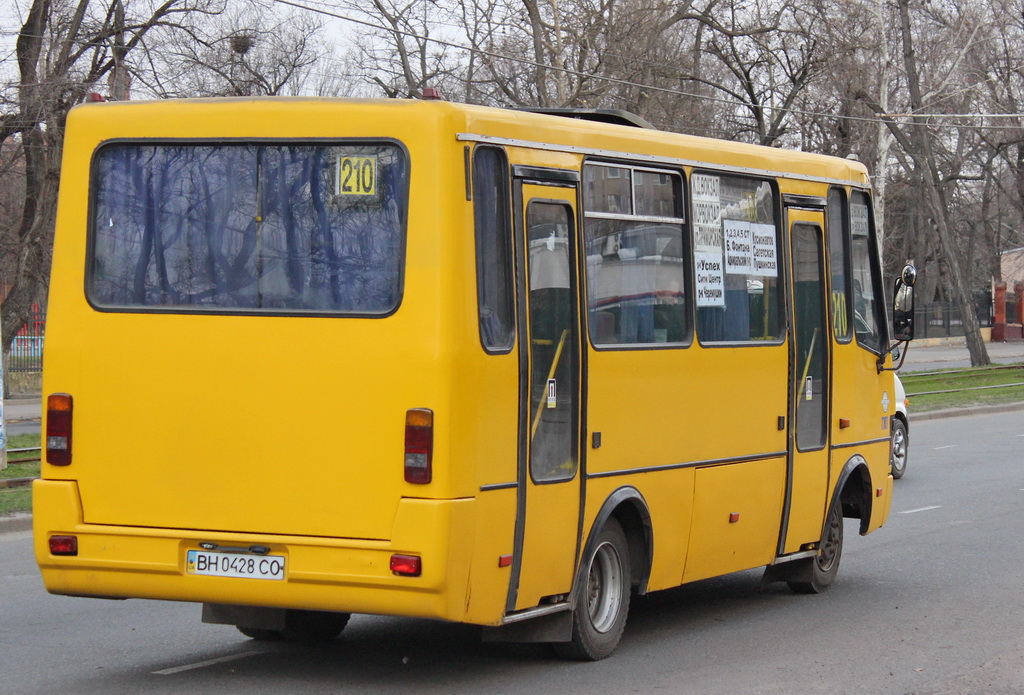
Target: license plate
(235, 565)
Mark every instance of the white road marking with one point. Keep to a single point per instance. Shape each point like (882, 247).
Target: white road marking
(948, 446)
(202, 664)
(922, 509)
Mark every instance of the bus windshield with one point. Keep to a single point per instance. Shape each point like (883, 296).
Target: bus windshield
(248, 227)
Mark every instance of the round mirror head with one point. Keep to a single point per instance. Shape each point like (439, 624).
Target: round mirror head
(909, 275)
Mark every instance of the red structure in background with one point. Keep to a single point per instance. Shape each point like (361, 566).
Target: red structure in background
(1005, 327)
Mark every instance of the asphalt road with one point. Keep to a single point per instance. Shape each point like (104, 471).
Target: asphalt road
(932, 604)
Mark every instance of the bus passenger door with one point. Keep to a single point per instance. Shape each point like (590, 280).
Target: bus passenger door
(549, 479)
(810, 388)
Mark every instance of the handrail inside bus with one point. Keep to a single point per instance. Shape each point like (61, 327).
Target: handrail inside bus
(810, 353)
(551, 375)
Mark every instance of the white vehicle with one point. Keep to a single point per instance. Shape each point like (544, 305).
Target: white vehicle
(900, 433)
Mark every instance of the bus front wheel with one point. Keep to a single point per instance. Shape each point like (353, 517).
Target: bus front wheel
(825, 565)
(898, 460)
(602, 600)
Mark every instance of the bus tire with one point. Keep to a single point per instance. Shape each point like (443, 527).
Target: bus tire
(602, 599)
(825, 565)
(302, 626)
(900, 440)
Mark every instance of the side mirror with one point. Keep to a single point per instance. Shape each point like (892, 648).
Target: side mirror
(903, 305)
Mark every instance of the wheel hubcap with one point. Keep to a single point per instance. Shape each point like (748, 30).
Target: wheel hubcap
(604, 587)
(899, 450)
(827, 554)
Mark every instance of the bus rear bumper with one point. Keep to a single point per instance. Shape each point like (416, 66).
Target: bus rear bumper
(332, 574)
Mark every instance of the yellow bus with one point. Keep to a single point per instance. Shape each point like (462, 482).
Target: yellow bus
(313, 357)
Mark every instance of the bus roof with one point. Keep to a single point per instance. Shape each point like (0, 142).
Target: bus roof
(472, 124)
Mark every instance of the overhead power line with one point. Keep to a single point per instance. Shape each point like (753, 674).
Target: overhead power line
(880, 118)
(555, 68)
(951, 115)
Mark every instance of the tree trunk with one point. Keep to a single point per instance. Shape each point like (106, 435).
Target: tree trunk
(924, 160)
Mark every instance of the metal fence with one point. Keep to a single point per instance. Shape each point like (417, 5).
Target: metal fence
(26, 354)
(944, 320)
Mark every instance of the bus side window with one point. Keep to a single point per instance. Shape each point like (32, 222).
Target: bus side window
(736, 259)
(838, 243)
(636, 274)
(868, 309)
(494, 279)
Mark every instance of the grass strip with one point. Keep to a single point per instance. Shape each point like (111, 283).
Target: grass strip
(961, 388)
(16, 499)
(19, 499)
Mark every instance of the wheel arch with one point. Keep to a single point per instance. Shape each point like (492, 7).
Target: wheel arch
(627, 506)
(853, 491)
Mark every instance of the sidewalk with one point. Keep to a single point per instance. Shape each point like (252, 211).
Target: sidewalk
(23, 409)
(927, 357)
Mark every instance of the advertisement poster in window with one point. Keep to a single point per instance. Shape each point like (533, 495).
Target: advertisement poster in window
(739, 247)
(766, 260)
(710, 279)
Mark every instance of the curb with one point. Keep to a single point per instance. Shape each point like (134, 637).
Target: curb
(21, 521)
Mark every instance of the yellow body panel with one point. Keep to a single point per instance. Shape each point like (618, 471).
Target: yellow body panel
(718, 543)
(695, 406)
(287, 430)
(492, 540)
(323, 574)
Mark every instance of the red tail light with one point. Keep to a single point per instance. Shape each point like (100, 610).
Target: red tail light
(64, 545)
(406, 565)
(58, 429)
(419, 445)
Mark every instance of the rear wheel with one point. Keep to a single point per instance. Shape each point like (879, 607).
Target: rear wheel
(302, 626)
(602, 600)
(825, 565)
(898, 460)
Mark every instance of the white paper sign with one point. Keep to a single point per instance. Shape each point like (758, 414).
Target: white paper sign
(709, 268)
(859, 220)
(739, 247)
(766, 260)
(707, 211)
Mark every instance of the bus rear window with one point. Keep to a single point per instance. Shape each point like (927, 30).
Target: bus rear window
(282, 228)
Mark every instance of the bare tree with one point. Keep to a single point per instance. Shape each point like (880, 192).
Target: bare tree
(768, 53)
(65, 48)
(918, 142)
(999, 70)
(400, 49)
(249, 49)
